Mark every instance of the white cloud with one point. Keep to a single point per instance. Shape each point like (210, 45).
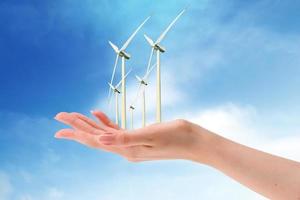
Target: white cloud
(25, 197)
(230, 120)
(239, 124)
(6, 188)
(26, 176)
(186, 183)
(54, 194)
(49, 193)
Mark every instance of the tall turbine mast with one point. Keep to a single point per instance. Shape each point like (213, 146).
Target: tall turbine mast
(141, 88)
(144, 82)
(125, 56)
(116, 91)
(155, 46)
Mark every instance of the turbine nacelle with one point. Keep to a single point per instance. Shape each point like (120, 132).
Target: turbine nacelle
(142, 81)
(159, 48)
(121, 52)
(154, 45)
(124, 54)
(115, 89)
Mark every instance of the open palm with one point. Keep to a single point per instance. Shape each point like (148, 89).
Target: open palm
(170, 140)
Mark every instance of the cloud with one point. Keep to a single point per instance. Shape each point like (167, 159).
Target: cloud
(230, 120)
(239, 124)
(26, 197)
(50, 193)
(174, 180)
(54, 194)
(26, 176)
(6, 188)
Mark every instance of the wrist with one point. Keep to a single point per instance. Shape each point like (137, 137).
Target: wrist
(206, 147)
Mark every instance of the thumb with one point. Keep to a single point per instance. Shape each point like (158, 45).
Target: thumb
(126, 138)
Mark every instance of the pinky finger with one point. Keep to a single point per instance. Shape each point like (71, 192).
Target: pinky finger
(65, 134)
(76, 136)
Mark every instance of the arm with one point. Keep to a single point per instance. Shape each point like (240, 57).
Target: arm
(271, 176)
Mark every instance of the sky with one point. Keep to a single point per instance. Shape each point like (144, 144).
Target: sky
(230, 66)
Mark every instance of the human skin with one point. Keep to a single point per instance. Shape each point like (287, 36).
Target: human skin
(271, 176)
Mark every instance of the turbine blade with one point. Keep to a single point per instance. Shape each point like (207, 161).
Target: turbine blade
(111, 86)
(116, 49)
(148, 73)
(114, 70)
(115, 65)
(137, 94)
(161, 37)
(117, 86)
(150, 59)
(133, 34)
(138, 78)
(149, 40)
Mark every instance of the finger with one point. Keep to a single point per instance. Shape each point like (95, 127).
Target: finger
(88, 139)
(68, 134)
(65, 133)
(85, 139)
(80, 137)
(126, 139)
(89, 121)
(77, 123)
(104, 119)
(92, 141)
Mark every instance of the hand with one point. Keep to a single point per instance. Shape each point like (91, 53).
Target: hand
(271, 176)
(170, 140)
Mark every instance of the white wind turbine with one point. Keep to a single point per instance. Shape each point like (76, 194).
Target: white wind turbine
(143, 82)
(116, 91)
(159, 49)
(121, 53)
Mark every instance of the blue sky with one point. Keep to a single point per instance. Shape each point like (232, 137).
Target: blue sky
(231, 66)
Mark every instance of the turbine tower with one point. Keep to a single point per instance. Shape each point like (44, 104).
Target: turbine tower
(125, 56)
(144, 82)
(116, 90)
(155, 46)
(132, 105)
(132, 108)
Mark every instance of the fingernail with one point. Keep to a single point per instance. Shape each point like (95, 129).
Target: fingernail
(91, 111)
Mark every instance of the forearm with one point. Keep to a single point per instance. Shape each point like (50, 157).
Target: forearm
(272, 176)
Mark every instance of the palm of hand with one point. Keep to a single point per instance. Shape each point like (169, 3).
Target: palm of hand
(158, 141)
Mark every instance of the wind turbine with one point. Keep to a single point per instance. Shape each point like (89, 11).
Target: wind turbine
(155, 46)
(143, 82)
(125, 56)
(116, 90)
